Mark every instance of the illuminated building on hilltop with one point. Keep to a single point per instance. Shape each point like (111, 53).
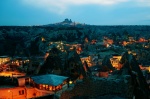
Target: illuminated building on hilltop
(115, 61)
(87, 59)
(4, 59)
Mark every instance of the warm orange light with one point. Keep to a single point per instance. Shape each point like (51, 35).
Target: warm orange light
(70, 82)
(42, 39)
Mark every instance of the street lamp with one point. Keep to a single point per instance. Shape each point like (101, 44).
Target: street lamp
(11, 93)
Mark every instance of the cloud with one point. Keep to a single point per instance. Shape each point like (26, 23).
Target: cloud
(60, 6)
(143, 2)
(100, 2)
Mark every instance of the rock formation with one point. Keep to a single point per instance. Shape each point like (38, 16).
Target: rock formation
(141, 89)
(125, 83)
(95, 87)
(69, 64)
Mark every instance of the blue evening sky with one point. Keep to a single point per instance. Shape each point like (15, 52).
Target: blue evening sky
(94, 12)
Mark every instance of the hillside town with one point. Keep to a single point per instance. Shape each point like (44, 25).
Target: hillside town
(74, 61)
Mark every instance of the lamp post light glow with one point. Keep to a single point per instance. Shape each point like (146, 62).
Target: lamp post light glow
(11, 93)
(70, 82)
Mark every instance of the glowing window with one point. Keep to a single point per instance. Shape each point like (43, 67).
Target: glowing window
(50, 87)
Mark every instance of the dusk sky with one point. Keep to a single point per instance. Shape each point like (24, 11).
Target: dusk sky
(93, 12)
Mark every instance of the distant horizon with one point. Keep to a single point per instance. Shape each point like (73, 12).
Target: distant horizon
(76, 22)
(95, 12)
(62, 25)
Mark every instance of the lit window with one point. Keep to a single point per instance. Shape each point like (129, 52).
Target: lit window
(50, 87)
(53, 88)
(43, 85)
(46, 87)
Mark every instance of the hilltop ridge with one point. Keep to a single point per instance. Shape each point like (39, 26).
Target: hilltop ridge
(66, 22)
